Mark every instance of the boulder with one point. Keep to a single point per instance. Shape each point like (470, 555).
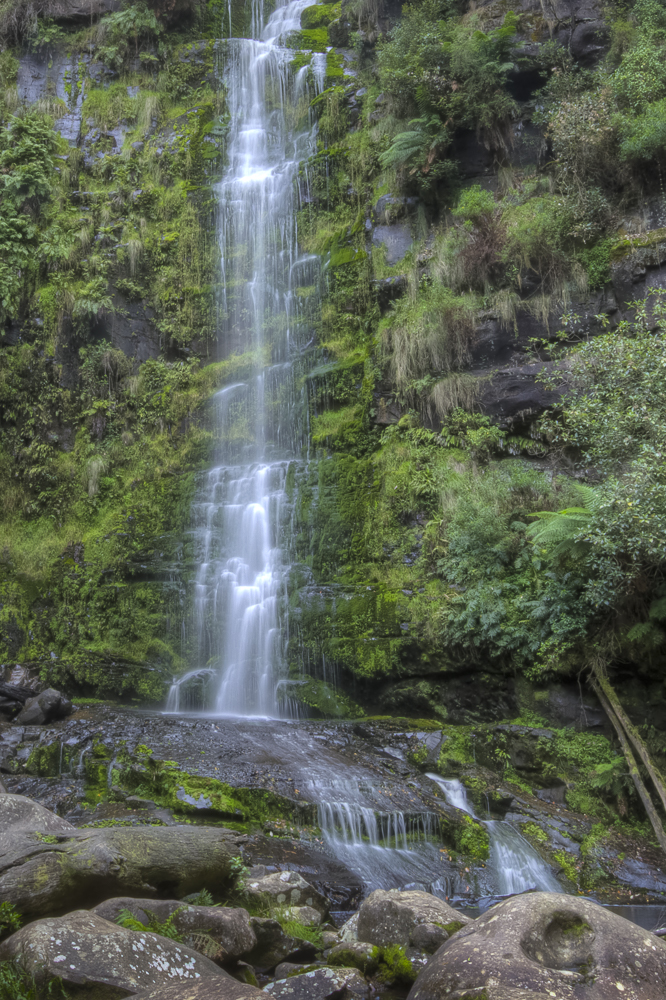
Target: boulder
(411, 919)
(46, 866)
(318, 983)
(200, 926)
(44, 707)
(285, 889)
(92, 954)
(222, 989)
(547, 944)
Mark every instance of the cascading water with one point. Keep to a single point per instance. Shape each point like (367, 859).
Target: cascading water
(260, 421)
(515, 864)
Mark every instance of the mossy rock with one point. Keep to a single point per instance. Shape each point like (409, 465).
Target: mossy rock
(320, 15)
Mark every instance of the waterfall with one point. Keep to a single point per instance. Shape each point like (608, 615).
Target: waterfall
(515, 864)
(240, 515)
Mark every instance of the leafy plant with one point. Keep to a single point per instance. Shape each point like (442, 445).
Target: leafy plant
(164, 928)
(10, 919)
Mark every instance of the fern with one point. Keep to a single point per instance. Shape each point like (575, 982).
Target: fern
(423, 142)
(154, 926)
(560, 529)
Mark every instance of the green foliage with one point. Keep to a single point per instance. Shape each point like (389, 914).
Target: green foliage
(121, 34)
(393, 965)
(426, 52)
(302, 931)
(164, 928)
(201, 898)
(10, 919)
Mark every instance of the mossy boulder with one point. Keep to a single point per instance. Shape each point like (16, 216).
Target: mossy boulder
(40, 874)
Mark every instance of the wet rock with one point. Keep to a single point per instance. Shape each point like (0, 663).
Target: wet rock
(318, 983)
(283, 889)
(45, 707)
(86, 951)
(547, 944)
(392, 917)
(40, 876)
(397, 238)
(222, 989)
(229, 928)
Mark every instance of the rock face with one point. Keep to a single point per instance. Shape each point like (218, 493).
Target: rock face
(86, 951)
(545, 944)
(410, 918)
(45, 707)
(286, 889)
(319, 983)
(200, 926)
(44, 868)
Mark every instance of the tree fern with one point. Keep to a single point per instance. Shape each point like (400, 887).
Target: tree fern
(559, 529)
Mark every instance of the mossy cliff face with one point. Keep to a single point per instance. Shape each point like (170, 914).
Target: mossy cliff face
(472, 246)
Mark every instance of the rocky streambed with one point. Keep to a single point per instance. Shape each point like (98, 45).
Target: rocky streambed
(357, 805)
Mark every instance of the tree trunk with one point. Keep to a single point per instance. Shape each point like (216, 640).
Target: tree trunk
(633, 766)
(631, 732)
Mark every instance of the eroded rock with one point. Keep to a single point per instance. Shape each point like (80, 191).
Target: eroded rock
(84, 950)
(412, 918)
(551, 945)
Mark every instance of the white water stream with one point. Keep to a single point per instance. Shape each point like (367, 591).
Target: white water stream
(240, 512)
(514, 863)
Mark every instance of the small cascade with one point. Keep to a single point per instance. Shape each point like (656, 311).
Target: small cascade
(387, 847)
(516, 866)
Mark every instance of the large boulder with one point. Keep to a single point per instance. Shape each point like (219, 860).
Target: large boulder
(410, 918)
(201, 927)
(91, 955)
(44, 707)
(43, 869)
(318, 984)
(285, 889)
(546, 944)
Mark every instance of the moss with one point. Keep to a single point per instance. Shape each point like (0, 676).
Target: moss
(568, 865)
(393, 966)
(471, 839)
(322, 699)
(534, 833)
(320, 15)
(654, 241)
